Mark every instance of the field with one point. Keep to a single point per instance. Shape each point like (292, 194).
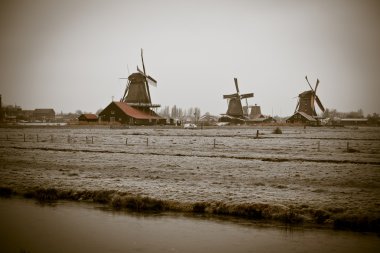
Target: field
(318, 175)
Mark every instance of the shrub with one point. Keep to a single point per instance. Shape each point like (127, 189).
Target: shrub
(277, 130)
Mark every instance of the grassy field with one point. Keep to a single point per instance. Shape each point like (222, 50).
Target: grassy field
(324, 176)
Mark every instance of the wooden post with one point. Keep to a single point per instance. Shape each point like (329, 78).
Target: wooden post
(86, 139)
(126, 141)
(147, 141)
(214, 143)
(257, 134)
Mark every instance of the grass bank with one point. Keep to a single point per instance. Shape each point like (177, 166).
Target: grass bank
(335, 218)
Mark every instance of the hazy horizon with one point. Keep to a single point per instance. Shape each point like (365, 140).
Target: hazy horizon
(69, 55)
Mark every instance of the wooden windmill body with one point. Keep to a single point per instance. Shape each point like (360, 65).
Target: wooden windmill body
(305, 109)
(135, 107)
(137, 93)
(235, 107)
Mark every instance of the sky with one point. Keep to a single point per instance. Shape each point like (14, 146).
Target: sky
(70, 55)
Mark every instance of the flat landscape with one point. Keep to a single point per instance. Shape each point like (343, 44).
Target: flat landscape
(315, 175)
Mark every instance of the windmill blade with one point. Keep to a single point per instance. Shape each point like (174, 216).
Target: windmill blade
(316, 86)
(140, 71)
(298, 104)
(151, 81)
(235, 95)
(319, 104)
(144, 73)
(125, 92)
(309, 83)
(248, 95)
(142, 59)
(236, 85)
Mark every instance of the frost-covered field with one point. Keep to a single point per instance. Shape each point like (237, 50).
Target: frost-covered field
(322, 175)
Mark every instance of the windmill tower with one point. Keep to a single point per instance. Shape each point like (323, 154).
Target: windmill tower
(235, 107)
(307, 99)
(137, 92)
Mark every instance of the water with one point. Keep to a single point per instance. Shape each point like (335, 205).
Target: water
(76, 227)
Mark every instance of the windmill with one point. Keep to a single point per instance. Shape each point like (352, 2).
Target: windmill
(306, 101)
(235, 107)
(137, 89)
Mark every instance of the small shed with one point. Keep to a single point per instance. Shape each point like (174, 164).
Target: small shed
(88, 117)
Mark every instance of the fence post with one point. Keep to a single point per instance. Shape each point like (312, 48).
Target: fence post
(86, 139)
(147, 141)
(214, 143)
(257, 134)
(126, 141)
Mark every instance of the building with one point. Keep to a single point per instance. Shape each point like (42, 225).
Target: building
(44, 114)
(135, 107)
(303, 118)
(123, 113)
(236, 112)
(305, 108)
(88, 117)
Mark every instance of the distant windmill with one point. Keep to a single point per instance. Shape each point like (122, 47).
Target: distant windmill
(306, 101)
(235, 108)
(137, 89)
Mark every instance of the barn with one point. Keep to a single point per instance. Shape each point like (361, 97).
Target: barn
(123, 113)
(301, 117)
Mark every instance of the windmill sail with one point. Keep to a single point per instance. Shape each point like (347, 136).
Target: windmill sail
(319, 103)
(248, 95)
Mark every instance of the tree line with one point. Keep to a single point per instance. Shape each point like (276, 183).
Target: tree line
(180, 113)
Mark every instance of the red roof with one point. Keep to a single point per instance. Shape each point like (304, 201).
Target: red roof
(135, 113)
(90, 116)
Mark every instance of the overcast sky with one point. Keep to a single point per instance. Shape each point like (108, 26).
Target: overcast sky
(69, 55)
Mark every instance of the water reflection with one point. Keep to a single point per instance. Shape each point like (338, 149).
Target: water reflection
(78, 227)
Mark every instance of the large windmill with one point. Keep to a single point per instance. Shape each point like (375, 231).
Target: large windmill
(307, 99)
(235, 107)
(137, 92)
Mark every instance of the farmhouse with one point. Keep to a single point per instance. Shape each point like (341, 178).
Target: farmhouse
(125, 114)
